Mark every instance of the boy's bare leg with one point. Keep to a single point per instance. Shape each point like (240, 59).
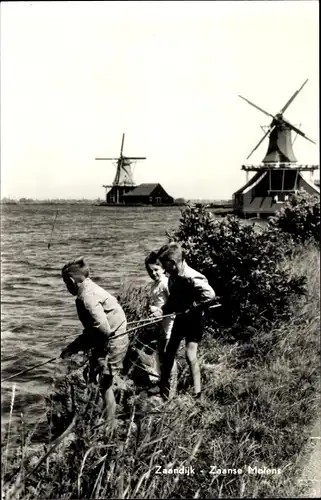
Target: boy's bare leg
(191, 356)
(110, 406)
(173, 380)
(112, 365)
(108, 400)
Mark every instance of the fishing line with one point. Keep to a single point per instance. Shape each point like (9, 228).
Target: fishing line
(52, 229)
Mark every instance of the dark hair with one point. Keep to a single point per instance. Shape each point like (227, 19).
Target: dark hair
(151, 259)
(171, 252)
(77, 267)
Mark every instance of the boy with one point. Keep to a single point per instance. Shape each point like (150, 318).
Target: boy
(159, 294)
(190, 295)
(104, 332)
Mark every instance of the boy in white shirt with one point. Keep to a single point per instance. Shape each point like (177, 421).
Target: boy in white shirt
(104, 334)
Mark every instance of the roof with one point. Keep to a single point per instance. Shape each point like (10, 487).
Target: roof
(258, 177)
(262, 204)
(249, 183)
(142, 190)
(315, 187)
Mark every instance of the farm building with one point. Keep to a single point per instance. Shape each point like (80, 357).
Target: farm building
(115, 194)
(147, 194)
(269, 188)
(123, 190)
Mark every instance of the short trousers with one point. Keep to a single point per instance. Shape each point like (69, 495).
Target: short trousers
(111, 363)
(166, 328)
(189, 326)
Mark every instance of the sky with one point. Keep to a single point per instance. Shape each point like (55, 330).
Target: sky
(76, 75)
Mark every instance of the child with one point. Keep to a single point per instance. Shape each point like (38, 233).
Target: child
(104, 332)
(159, 294)
(158, 297)
(190, 294)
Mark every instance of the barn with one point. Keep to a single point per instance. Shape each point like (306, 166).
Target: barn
(147, 194)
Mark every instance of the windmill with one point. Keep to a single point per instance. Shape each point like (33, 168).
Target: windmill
(278, 175)
(123, 181)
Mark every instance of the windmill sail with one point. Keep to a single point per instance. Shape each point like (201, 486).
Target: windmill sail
(280, 140)
(124, 180)
(280, 145)
(124, 174)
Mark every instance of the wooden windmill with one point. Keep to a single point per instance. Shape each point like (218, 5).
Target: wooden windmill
(123, 181)
(278, 176)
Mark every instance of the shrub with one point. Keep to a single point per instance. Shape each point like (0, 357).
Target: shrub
(135, 302)
(299, 217)
(243, 266)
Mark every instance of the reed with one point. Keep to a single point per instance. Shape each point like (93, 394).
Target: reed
(9, 428)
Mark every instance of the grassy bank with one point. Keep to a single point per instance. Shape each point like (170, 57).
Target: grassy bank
(260, 398)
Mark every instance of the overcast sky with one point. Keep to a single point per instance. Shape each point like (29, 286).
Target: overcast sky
(76, 75)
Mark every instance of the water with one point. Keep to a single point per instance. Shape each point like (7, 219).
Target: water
(35, 305)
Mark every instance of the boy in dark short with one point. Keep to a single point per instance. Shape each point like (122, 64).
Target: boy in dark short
(189, 296)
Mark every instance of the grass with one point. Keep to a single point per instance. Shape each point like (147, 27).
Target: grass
(260, 399)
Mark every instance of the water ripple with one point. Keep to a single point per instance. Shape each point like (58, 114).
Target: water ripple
(35, 307)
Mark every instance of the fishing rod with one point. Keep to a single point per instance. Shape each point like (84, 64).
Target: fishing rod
(146, 321)
(22, 372)
(45, 344)
(52, 229)
(151, 322)
(159, 319)
(29, 369)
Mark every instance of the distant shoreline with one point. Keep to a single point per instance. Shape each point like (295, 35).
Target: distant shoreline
(219, 204)
(217, 208)
(50, 202)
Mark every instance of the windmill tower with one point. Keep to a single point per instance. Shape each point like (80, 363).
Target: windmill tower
(278, 176)
(123, 181)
